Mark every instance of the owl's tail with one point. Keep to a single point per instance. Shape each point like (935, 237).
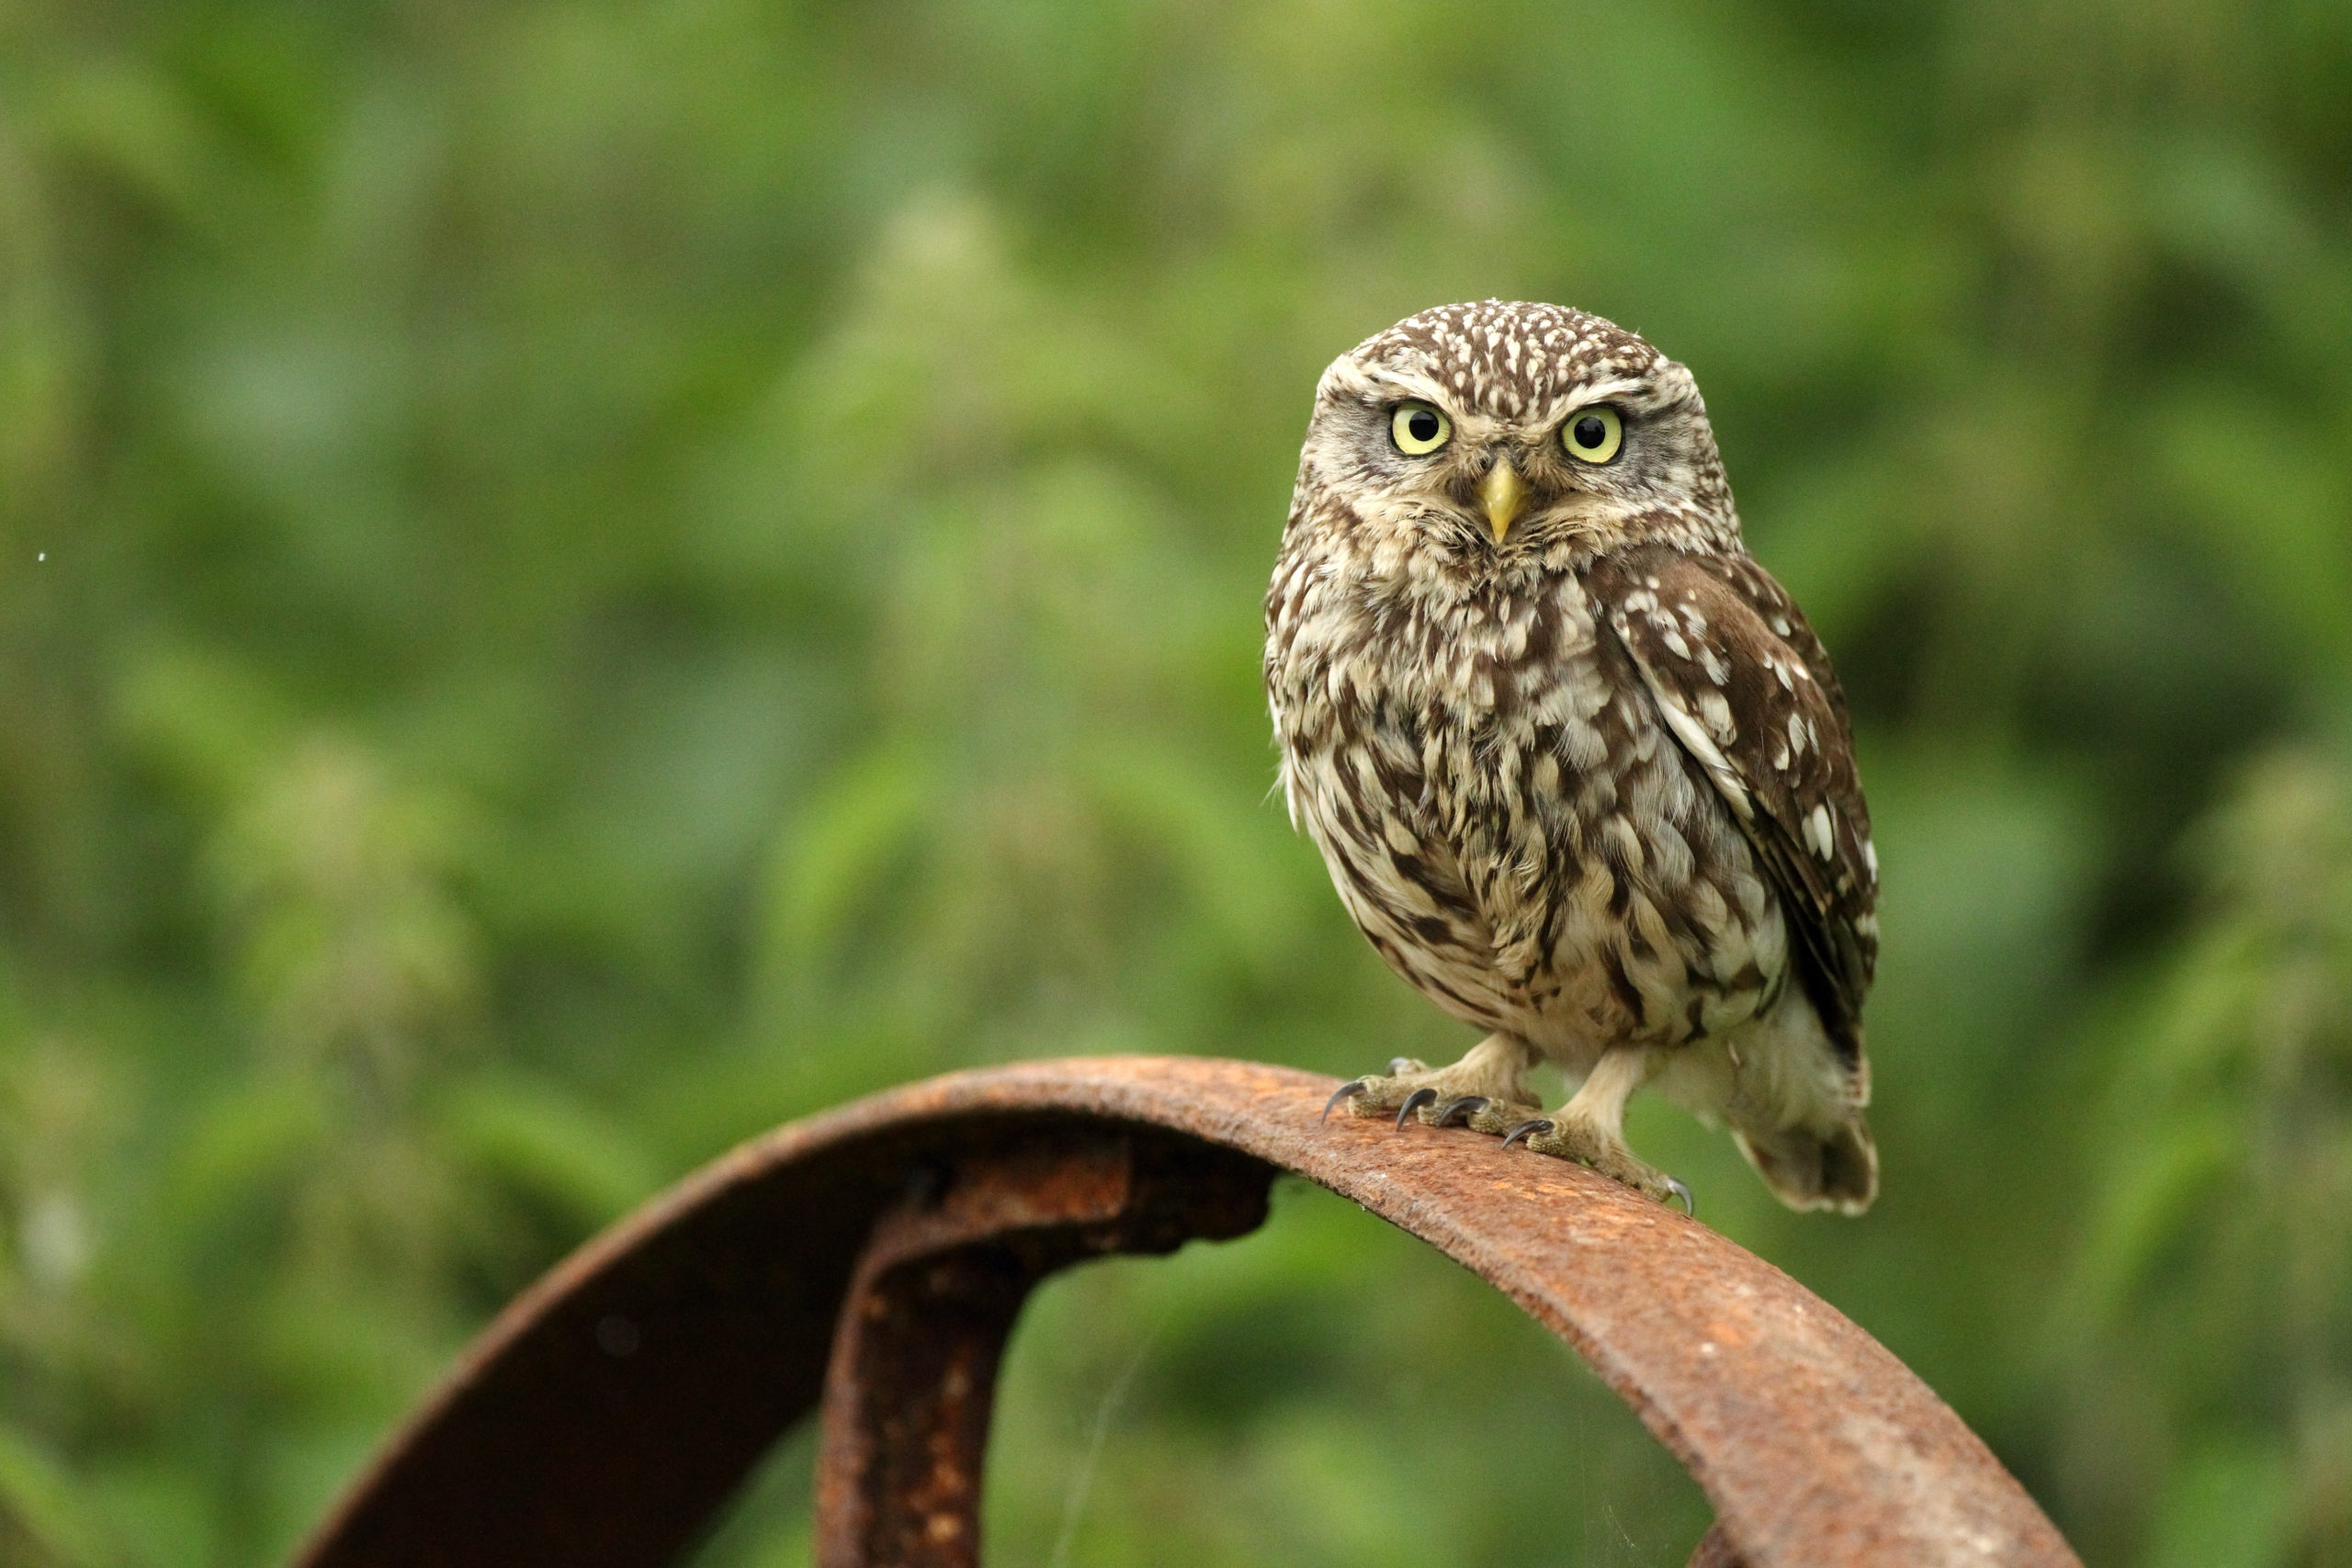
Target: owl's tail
(1807, 1168)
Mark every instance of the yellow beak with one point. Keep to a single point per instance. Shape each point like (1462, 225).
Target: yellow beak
(1505, 494)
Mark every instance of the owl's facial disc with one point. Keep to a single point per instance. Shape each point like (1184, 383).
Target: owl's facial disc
(1503, 494)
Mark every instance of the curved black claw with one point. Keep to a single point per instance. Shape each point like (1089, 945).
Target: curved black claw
(1347, 1090)
(1460, 1108)
(1413, 1102)
(1536, 1124)
(1689, 1205)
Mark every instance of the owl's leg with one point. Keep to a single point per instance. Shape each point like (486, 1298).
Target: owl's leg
(1485, 1090)
(1589, 1129)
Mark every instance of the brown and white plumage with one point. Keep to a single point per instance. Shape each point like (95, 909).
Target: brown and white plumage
(1580, 771)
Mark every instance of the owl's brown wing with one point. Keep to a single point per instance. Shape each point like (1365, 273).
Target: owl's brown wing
(1747, 688)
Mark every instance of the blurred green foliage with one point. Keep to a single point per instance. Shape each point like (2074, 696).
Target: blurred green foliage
(578, 579)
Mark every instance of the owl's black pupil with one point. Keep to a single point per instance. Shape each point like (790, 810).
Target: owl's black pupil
(1422, 423)
(1591, 432)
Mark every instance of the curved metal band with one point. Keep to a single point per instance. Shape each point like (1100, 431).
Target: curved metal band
(612, 1408)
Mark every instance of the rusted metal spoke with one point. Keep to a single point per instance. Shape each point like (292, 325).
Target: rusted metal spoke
(914, 1357)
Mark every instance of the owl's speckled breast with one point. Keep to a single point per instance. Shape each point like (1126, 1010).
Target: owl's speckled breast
(1503, 813)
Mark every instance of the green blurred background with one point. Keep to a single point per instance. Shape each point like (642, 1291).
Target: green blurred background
(579, 579)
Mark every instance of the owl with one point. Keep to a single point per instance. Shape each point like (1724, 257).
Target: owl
(1580, 770)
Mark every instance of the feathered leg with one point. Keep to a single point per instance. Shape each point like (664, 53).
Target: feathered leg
(1589, 1129)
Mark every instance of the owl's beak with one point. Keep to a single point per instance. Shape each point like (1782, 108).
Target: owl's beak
(1505, 494)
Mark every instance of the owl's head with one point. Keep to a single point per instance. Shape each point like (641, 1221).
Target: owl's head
(1498, 433)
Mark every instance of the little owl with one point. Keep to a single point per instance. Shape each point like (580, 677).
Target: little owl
(1578, 767)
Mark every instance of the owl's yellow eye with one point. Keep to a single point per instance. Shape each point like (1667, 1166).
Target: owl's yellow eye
(1419, 429)
(1593, 434)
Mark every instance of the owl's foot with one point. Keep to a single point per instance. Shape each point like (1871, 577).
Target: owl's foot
(1485, 1091)
(1585, 1141)
(1588, 1128)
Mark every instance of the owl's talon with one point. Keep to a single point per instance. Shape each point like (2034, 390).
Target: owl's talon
(1348, 1090)
(1462, 1107)
(1413, 1101)
(1535, 1124)
(1689, 1205)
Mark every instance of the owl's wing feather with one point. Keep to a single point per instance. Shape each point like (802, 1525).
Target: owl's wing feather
(1745, 687)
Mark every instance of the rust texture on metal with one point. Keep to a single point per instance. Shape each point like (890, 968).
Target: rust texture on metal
(1714, 1551)
(911, 1381)
(610, 1410)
